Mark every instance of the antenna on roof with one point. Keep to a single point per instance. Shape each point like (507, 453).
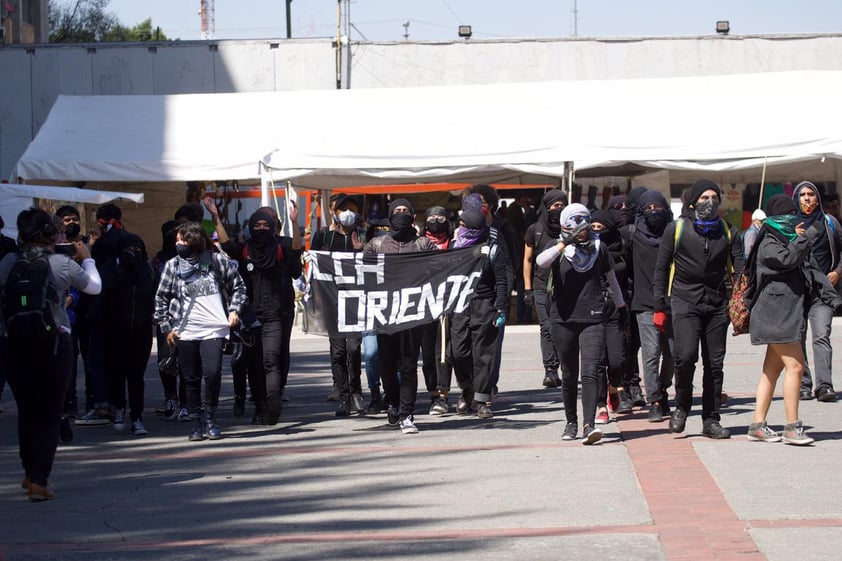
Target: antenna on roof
(405, 30)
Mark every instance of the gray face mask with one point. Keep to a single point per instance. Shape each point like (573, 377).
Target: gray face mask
(347, 218)
(707, 210)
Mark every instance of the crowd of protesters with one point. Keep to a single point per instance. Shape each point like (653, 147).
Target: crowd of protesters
(607, 285)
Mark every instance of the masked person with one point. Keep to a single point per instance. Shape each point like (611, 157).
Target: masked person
(539, 236)
(643, 238)
(697, 254)
(826, 250)
(345, 351)
(582, 268)
(398, 352)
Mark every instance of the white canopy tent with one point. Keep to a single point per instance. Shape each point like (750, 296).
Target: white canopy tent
(15, 198)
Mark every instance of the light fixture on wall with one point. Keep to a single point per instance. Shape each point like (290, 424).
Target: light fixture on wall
(723, 27)
(465, 31)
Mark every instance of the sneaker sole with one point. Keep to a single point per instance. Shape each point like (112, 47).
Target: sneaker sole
(799, 442)
(594, 437)
(760, 439)
(410, 431)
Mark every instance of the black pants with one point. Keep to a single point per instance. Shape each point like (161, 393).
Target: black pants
(346, 365)
(436, 372)
(38, 375)
(573, 340)
(398, 354)
(549, 356)
(201, 359)
(704, 323)
(474, 346)
(126, 356)
(275, 337)
(616, 345)
(173, 385)
(247, 364)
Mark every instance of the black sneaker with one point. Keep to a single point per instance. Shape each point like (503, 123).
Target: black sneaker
(665, 407)
(392, 416)
(678, 420)
(712, 429)
(239, 406)
(273, 411)
(65, 430)
(484, 411)
(656, 413)
(439, 406)
(570, 431)
(805, 395)
(826, 395)
(625, 405)
(344, 409)
(376, 405)
(637, 395)
(551, 379)
(198, 432)
(334, 394)
(258, 419)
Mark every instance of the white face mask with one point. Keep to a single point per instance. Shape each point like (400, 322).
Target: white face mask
(347, 218)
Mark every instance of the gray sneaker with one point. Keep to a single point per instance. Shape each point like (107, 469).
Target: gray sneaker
(439, 406)
(759, 432)
(794, 434)
(94, 418)
(119, 420)
(357, 403)
(570, 431)
(408, 425)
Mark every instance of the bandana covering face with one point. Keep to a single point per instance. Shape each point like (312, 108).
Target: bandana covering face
(706, 211)
(581, 254)
(784, 225)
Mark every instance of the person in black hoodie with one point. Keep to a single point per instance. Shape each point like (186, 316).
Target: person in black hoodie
(643, 239)
(617, 322)
(827, 252)
(691, 269)
(474, 331)
(540, 236)
(268, 264)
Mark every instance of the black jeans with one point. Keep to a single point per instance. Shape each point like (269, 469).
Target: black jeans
(704, 323)
(126, 356)
(173, 385)
(38, 377)
(275, 338)
(346, 365)
(398, 354)
(616, 345)
(201, 359)
(573, 339)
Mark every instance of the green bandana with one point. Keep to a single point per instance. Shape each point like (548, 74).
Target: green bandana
(785, 224)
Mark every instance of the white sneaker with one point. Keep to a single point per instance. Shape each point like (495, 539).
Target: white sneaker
(119, 419)
(408, 426)
(138, 429)
(183, 415)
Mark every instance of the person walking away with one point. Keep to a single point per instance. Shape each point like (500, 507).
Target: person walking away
(35, 348)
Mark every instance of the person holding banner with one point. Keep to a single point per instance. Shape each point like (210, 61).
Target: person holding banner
(474, 331)
(399, 351)
(580, 266)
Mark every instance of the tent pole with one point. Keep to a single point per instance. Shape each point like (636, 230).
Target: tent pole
(762, 183)
(264, 185)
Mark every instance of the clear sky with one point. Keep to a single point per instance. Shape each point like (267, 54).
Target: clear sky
(383, 20)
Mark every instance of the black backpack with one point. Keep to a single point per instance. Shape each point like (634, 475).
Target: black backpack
(26, 299)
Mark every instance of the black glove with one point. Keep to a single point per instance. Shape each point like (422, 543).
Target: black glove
(569, 234)
(528, 298)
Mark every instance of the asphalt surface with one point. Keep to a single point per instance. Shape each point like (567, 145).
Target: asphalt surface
(319, 487)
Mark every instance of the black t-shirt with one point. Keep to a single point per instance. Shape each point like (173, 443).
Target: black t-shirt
(538, 240)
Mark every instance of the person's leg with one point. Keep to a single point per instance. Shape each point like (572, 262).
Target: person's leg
(410, 346)
(168, 381)
(687, 327)
(549, 357)
(567, 344)
(650, 352)
(98, 366)
(793, 364)
(821, 319)
(592, 349)
(256, 378)
(429, 334)
(372, 371)
(287, 321)
(137, 357)
(714, 338)
(210, 351)
(772, 366)
(339, 368)
(191, 369)
(460, 349)
(807, 378)
(271, 337)
(484, 347)
(387, 352)
(355, 363)
(117, 351)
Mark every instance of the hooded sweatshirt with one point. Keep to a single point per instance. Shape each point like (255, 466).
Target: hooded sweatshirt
(826, 248)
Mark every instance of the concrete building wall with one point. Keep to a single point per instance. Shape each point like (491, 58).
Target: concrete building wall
(33, 76)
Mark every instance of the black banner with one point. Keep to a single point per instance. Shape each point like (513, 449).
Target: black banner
(348, 293)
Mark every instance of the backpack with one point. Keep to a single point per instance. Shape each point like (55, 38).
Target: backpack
(739, 305)
(26, 299)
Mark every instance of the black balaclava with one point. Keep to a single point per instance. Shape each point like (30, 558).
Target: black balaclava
(621, 216)
(262, 245)
(402, 223)
(550, 220)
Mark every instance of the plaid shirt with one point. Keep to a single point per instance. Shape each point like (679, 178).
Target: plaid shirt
(172, 298)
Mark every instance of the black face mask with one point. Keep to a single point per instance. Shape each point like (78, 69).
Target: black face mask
(402, 229)
(436, 227)
(72, 230)
(261, 237)
(184, 251)
(554, 217)
(656, 219)
(131, 259)
(620, 216)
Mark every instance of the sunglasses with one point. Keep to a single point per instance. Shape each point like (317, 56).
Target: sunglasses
(439, 219)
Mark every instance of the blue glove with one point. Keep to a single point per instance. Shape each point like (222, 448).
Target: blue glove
(500, 320)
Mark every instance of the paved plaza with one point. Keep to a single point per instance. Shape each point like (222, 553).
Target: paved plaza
(317, 487)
